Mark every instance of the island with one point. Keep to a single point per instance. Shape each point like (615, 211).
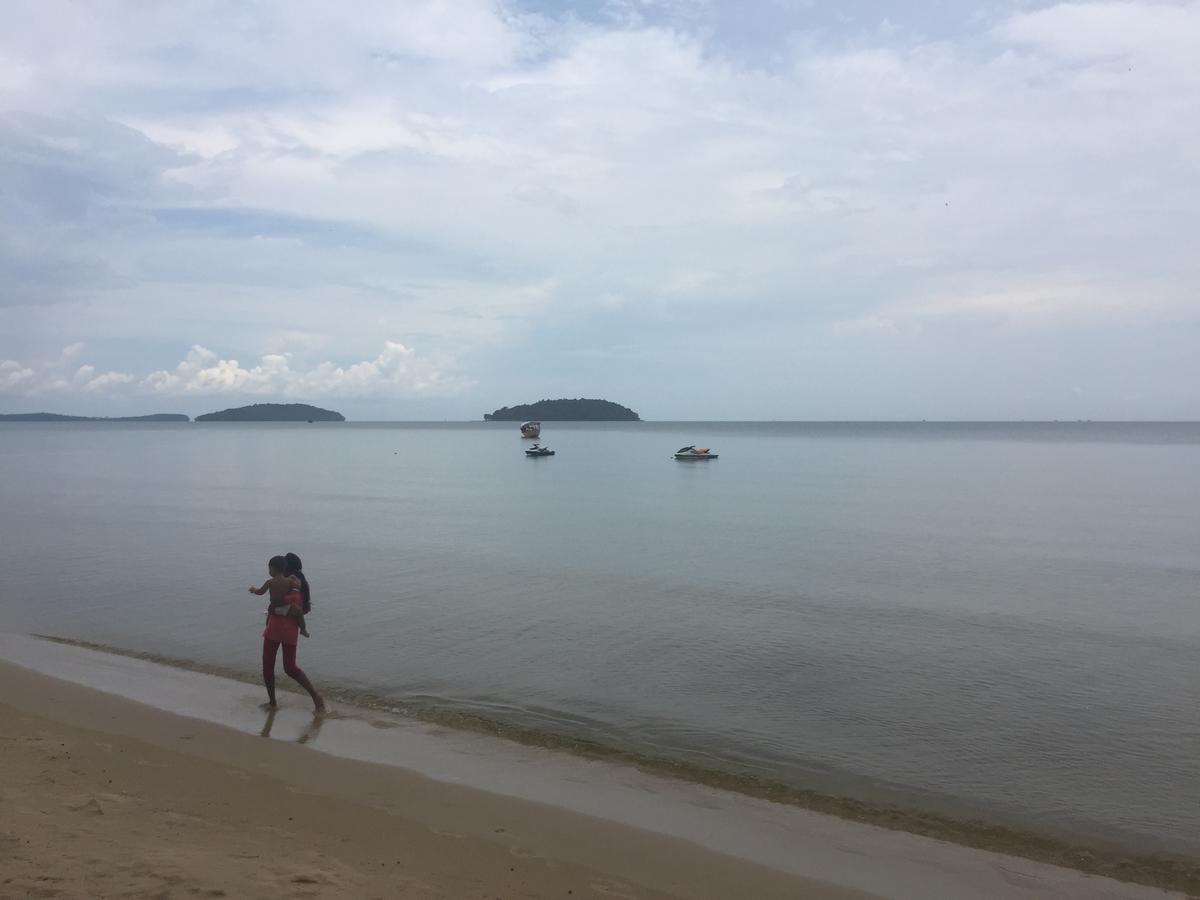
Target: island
(274, 412)
(581, 410)
(55, 417)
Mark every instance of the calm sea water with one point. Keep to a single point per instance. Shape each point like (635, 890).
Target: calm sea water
(997, 619)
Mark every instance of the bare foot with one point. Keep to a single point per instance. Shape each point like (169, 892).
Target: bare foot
(318, 704)
(270, 704)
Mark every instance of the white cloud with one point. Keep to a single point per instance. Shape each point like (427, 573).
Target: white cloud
(1156, 33)
(397, 371)
(107, 381)
(15, 375)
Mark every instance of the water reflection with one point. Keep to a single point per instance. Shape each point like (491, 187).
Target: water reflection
(308, 733)
(312, 730)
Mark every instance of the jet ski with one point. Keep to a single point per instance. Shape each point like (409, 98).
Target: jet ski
(691, 452)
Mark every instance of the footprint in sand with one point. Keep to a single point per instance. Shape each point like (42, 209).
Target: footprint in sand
(89, 807)
(1018, 879)
(177, 819)
(614, 889)
(521, 853)
(318, 875)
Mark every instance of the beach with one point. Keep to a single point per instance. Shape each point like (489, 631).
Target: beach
(106, 796)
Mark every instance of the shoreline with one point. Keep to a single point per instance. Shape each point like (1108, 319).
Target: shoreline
(1107, 857)
(612, 777)
(104, 797)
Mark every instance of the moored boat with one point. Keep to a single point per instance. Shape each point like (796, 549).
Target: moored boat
(531, 429)
(693, 452)
(538, 450)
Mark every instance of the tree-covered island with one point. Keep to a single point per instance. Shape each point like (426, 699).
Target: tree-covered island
(56, 417)
(564, 411)
(274, 412)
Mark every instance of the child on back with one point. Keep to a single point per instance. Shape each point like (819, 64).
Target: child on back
(279, 584)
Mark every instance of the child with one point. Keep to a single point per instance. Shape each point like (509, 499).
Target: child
(279, 585)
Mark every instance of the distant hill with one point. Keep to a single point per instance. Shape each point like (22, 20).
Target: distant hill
(565, 411)
(55, 417)
(274, 412)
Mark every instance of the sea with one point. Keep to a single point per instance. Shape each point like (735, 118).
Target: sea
(993, 621)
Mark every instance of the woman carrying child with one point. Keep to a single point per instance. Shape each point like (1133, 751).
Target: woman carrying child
(290, 600)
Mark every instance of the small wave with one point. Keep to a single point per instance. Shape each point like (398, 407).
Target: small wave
(1108, 859)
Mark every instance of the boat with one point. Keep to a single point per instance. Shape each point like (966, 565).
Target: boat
(538, 450)
(693, 452)
(531, 429)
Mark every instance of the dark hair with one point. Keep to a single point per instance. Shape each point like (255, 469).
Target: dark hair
(277, 563)
(293, 566)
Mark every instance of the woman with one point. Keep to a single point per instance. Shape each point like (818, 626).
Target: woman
(283, 628)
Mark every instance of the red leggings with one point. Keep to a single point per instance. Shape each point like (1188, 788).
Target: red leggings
(289, 661)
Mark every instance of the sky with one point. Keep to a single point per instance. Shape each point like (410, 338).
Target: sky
(701, 210)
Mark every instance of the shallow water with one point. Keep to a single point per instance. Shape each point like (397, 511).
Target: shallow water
(1000, 619)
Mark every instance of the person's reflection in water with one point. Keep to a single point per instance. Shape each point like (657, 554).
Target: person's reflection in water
(313, 729)
(267, 725)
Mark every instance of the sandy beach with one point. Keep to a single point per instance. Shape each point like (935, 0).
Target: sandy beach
(103, 796)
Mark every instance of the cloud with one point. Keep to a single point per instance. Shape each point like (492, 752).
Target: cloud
(1156, 33)
(570, 148)
(14, 375)
(1027, 303)
(74, 185)
(397, 371)
(983, 298)
(107, 381)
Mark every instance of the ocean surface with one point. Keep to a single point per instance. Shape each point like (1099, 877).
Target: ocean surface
(998, 621)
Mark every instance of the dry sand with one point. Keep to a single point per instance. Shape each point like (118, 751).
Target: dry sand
(103, 797)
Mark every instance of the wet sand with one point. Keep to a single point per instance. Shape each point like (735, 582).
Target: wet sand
(105, 796)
